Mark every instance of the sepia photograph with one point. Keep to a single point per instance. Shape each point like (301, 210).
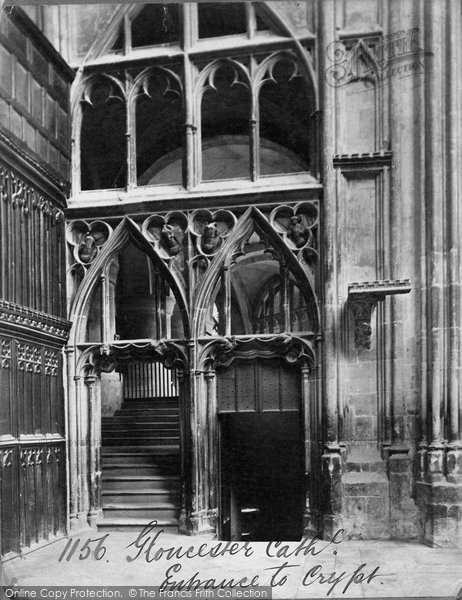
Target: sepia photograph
(230, 299)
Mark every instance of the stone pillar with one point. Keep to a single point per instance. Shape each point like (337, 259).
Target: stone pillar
(83, 438)
(77, 444)
(71, 433)
(401, 352)
(434, 111)
(94, 414)
(331, 469)
(185, 448)
(454, 228)
(200, 520)
(439, 489)
(309, 527)
(212, 459)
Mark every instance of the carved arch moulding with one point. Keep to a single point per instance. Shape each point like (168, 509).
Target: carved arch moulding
(221, 352)
(104, 358)
(192, 245)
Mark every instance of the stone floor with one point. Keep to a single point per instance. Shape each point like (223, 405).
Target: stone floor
(404, 570)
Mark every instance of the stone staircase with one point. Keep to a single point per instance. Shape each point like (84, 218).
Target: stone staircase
(141, 465)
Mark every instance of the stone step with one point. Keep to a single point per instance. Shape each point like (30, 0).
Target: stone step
(140, 482)
(139, 441)
(138, 496)
(124, 425)
(112, 469)
(165, 403)
(135, 524)
(173, 450)
(126, 510)
(147, 413)
(139, 457)
(138, 433)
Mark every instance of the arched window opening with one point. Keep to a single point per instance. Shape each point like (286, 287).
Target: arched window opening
(248, 276)
(119, 43)
(260, 21)
(102, 140)
(225, 111)
(159, 129)
(216, 318)
(246, 114)
(94, 331)
(145, 305)
(284, 115)
(268, 310)
(217, 19)
(156, 24)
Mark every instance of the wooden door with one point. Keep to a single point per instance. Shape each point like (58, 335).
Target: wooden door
(261, 451)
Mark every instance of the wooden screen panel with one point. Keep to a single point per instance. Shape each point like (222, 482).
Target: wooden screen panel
(6, 416)
(33, 484)
(9, 501)
(268, 380)
(245, 386)
(289, 388)
(260, 385)
(226, 390)
(42, 492)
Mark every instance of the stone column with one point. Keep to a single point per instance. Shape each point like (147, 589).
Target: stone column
(94, 414)
(71, 433)
(434, 111)
(212, 461)
(83, 437)
(439, 490)
(308, 525)
(185, 448)
(331, 457)
(198, 518)
(454, 229)
(77, 444)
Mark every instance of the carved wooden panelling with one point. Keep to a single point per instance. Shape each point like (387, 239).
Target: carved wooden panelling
(9, 500)
(289, 388)
(32, 483)
(32, 246)
(258, 386)
(5, 387)
(226, 390)
(42, 483)
(245, 387)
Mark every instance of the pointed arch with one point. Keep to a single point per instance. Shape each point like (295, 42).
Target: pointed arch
(251, 221)
(126, 232)
(282, 24)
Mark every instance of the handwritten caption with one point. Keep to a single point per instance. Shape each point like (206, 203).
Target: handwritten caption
(147, 546)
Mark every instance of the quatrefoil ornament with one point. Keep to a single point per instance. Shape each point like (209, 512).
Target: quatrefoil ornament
(297, 225)
(87, 239)
(166, 233)
(211, 229)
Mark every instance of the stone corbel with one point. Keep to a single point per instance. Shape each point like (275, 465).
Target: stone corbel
(362, 300)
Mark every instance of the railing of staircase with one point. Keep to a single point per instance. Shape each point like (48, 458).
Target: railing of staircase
(149, 380)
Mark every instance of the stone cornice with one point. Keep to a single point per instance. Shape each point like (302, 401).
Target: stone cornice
(365, 160)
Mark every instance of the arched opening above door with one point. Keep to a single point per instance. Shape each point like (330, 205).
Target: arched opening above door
(138, 304)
